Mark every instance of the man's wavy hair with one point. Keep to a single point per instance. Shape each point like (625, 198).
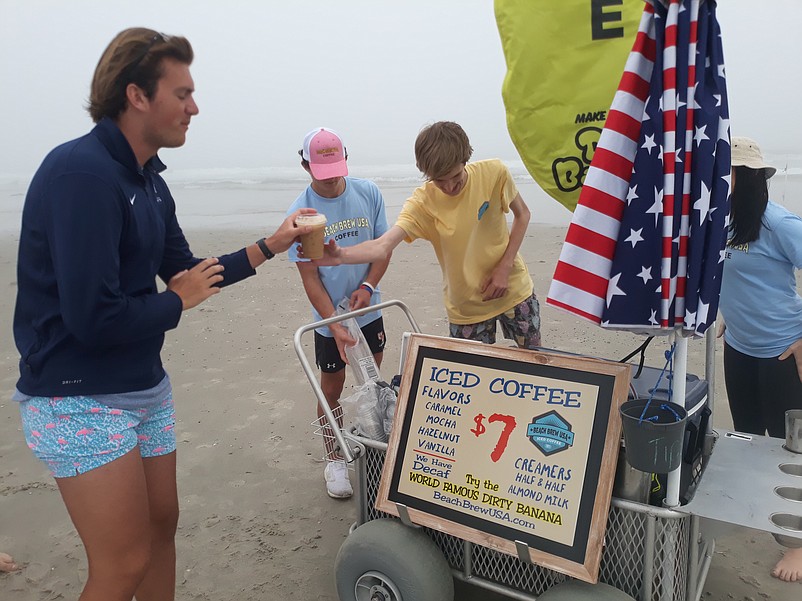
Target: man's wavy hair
(133, 56)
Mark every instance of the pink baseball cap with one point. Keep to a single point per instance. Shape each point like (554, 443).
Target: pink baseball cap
(326, 154)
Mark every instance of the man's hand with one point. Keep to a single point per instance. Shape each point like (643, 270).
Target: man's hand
(193, 286)
(796, 350)
(287, 233)
(495, 285)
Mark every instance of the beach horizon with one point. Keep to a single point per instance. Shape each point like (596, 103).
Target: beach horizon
(238, 198)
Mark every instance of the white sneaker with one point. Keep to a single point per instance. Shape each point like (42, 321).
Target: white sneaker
(338, 484)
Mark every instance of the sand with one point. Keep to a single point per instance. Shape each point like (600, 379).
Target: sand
(256, 523)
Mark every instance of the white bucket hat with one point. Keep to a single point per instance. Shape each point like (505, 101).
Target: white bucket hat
(746, 153)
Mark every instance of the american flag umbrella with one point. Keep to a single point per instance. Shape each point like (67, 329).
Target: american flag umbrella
(644, 249)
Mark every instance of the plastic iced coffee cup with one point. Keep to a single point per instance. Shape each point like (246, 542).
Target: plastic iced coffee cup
(312, 242)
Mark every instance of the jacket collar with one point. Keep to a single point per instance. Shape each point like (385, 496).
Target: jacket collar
(117, 144)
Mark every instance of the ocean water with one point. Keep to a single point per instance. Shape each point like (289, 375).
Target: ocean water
(248, 198)
(223, 198)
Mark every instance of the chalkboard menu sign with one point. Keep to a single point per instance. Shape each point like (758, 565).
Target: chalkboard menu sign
(507, 448)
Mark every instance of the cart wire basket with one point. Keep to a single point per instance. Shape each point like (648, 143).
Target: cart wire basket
(321, 427)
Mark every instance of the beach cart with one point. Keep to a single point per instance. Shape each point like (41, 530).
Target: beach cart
(649, 552)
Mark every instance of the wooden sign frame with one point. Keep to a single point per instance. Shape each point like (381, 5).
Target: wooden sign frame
(551, 497)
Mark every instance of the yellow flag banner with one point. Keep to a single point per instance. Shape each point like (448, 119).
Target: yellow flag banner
(564, 61)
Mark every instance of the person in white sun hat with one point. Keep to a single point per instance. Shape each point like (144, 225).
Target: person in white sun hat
(762, 348)
(354, 209)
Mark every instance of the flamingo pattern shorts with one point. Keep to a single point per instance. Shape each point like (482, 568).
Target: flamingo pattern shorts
(73, 435)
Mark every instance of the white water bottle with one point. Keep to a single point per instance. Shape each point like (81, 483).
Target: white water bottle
(359, 355)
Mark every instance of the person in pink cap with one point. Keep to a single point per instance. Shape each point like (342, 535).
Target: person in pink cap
(355, 213)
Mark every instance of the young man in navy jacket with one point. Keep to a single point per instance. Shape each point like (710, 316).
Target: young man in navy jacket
(98, 227)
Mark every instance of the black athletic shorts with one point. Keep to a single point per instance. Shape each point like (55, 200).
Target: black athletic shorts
(327, 356)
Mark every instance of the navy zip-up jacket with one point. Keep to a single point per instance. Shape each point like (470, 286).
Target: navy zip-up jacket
(96, 231)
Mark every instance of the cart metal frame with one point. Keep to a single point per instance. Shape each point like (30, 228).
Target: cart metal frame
(650, 553)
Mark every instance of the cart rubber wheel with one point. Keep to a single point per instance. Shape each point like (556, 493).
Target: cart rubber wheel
(383, 560)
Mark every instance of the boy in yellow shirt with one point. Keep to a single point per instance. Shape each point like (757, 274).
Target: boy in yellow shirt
(461, 210)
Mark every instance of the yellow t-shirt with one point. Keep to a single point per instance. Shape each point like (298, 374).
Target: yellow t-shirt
(469, 233)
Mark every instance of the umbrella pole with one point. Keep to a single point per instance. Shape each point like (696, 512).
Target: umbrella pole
(710, 371)
(680, 374)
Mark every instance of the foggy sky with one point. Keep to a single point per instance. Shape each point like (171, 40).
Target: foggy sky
(267, 71)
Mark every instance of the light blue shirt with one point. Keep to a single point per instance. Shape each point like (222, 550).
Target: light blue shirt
(356, 216)
(759, 300)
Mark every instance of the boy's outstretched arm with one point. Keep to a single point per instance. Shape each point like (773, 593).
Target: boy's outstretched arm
(371, 251)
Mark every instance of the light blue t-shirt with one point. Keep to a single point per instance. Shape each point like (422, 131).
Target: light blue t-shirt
(356, 216)
(759, 301)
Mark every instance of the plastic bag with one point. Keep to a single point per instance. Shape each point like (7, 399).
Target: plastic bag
(372, 408)
(386, 402)
(351, 403)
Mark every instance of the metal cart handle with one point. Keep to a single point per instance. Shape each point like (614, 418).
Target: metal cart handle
(312, 375)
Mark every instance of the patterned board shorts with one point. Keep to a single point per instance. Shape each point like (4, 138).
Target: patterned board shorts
(520, 324)
(73, 435)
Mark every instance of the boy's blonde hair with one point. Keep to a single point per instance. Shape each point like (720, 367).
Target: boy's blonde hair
(440, 147)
